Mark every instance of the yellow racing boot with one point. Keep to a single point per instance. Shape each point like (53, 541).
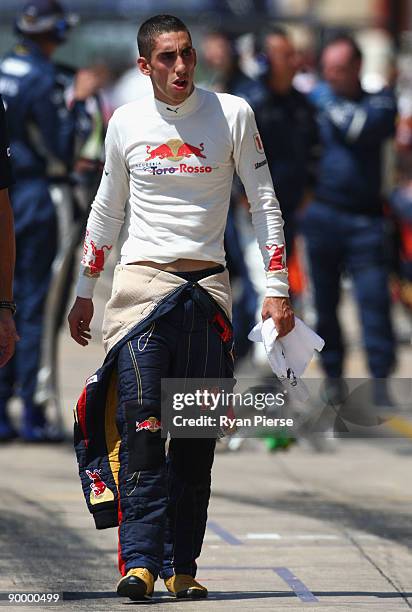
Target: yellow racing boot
(184, 586)
(138, 584)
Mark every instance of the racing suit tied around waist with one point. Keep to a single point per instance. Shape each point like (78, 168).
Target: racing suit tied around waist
(137, 290)
(155, 293)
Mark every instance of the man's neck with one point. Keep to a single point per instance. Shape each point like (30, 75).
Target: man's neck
(175, 110)
(282, 88)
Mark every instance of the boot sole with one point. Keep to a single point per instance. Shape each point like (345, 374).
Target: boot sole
(191, 594)
(135, 591)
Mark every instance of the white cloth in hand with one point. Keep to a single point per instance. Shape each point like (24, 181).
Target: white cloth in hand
(290, 355)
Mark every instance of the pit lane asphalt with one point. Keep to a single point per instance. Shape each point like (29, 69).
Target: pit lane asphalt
(290, 531)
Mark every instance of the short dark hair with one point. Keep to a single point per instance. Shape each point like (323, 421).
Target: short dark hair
(153, 27)
(263, 35)
(344, 38)
(275, 30)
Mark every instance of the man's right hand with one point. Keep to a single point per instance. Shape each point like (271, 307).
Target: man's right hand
(79, 319)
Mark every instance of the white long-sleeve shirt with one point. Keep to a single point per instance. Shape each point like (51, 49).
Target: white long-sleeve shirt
(175, 165)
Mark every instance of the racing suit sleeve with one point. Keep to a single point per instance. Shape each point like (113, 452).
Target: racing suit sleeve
(107, 213)
(363, 123)
(253, 170)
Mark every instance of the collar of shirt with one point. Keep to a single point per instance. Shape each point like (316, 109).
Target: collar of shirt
(181, 110)
(28, 47)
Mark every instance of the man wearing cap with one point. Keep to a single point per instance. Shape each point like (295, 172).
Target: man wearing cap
(42, 131)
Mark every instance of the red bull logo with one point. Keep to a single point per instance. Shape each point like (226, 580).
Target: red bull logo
(175, 150)
(98, 486)
(96, 265)
(161, 152)
(151, 424)
(277, 258)
(187, 150)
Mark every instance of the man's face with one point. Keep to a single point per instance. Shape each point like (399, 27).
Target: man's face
(282, 57)
(217, 52)
(171, 67)
(341, 69)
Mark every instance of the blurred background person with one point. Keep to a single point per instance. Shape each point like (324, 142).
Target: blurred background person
(289, 133)
(344, 226)
(287, 124)
(43, 130)
(8, 334)
(221, 57)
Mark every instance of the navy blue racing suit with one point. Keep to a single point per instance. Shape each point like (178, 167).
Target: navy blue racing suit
(42, 133)
(160, 503)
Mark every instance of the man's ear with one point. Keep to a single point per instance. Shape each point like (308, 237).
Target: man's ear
(144, 66)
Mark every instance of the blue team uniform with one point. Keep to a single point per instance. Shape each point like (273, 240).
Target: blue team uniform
(42, 133)
(344, 226)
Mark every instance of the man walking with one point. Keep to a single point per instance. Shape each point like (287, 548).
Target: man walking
(173, 155)
(344, 226)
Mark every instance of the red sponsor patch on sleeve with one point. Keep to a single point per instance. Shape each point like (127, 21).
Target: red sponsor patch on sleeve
(258, 143)
(277, 259)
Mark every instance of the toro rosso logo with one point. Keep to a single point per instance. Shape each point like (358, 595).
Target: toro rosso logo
(175, 150)
(151, 424)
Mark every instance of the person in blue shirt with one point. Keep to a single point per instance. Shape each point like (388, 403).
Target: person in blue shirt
(43, 131)
(344, 226)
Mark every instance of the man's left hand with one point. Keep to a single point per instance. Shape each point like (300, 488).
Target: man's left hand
(280, 309)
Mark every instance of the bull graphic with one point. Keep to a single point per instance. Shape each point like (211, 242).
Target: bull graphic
(187, 150)
(98, 486)
(161, 152)
(276, 261)
(96, 266)
(174, 149)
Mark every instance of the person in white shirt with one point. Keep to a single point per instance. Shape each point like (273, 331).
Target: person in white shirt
(171, 157)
